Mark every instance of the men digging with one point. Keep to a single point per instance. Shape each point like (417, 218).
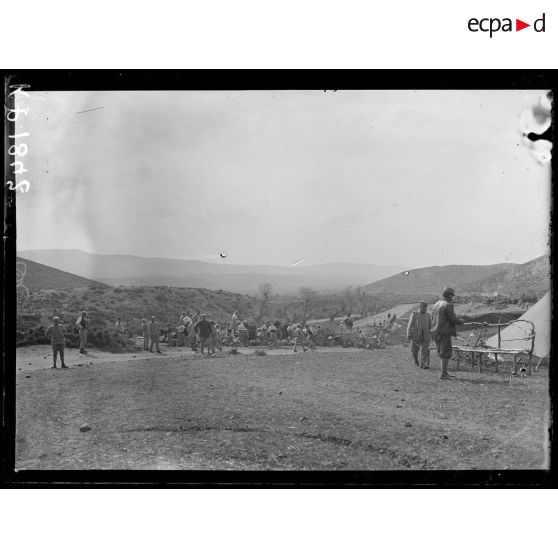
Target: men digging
(444, 321)
(56, 332)
(418, 332)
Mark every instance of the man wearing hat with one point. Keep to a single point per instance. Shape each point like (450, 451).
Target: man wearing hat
(83, 326)
(154, 334)
(418, 332)
(444, 321)
(56, 332)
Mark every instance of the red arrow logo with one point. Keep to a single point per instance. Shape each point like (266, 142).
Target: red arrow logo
(519, 25)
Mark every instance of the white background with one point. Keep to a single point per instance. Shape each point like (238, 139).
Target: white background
(278, 523)
(274, 34)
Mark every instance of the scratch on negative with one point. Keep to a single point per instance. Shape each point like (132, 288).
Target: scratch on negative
(89, 110)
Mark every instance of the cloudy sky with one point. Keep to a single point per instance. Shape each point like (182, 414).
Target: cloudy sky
(410, 178)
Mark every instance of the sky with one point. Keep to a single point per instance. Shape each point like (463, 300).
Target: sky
(406, 178)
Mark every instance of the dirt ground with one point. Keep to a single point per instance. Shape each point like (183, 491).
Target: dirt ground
(335, 409)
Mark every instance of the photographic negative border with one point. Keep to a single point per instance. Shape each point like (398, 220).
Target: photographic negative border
(331, 81)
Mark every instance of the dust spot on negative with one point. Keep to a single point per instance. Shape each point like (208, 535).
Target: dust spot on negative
(406, 273)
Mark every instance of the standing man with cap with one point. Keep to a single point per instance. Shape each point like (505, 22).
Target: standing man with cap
(83, 325)
(154, 334)
(56, 332)
(418, 332)
(444, 321)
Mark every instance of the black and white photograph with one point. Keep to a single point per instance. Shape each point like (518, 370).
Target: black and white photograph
(281, 279)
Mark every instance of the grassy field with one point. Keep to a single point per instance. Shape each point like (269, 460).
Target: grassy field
(336, 410)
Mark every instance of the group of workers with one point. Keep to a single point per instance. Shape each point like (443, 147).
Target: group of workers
(439, 325)
(195, 330)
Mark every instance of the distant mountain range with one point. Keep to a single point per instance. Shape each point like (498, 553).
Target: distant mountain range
(39, 277)
(532, 278)
(141, 271)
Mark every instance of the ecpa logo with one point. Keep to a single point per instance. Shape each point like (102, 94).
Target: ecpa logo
(494, 24)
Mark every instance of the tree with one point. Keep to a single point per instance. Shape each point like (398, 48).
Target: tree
(264, 292)
(308, 297)
(289, 312)
(348, 301)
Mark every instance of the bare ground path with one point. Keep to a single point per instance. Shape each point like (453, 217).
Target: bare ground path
(39, 357)
(332, 409)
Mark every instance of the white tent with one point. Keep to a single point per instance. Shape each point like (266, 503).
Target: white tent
(513, 336)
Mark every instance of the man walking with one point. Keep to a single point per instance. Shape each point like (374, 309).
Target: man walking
(444, 321)
(56, 332)
(203, 329)
(418, 332)
(154, 334)
(83, 326)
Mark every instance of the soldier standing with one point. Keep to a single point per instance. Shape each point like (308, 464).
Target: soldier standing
(56, 331)
(418, 333)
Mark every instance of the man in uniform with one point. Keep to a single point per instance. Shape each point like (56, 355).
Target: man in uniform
(444, 321)
(83, 326)
(56, 332)
(204, 331)
(418, 332)
(154, 334)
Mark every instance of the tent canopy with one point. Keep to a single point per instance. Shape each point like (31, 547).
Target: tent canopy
(514, 336)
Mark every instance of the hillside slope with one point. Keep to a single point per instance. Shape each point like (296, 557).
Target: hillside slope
(133, 270)
(104, 305)
(510, 279)
(36, 276)
(531, 278)
(432, 280)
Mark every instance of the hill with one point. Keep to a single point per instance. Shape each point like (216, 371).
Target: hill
(133, 270)
(432, 280)
(509, 279)
(531, 278)
(106, 304)
(36, 276)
